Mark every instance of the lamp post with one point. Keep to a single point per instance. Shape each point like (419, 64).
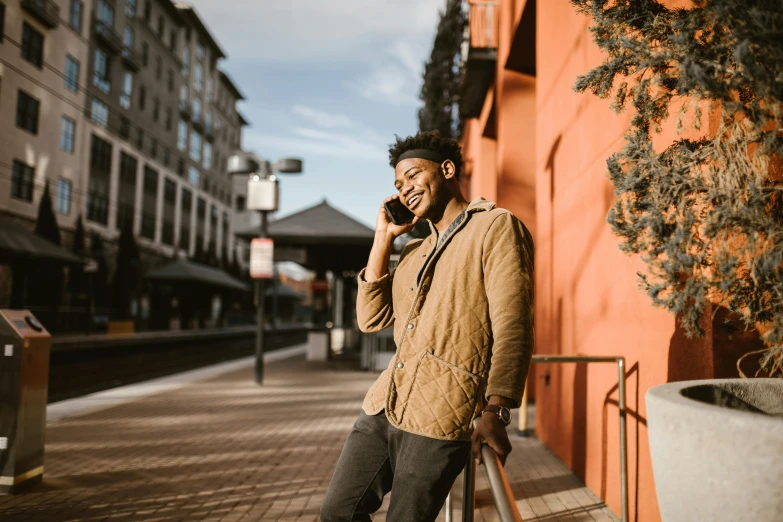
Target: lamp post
(263, 195)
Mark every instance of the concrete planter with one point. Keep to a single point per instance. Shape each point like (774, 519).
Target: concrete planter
(717, 449)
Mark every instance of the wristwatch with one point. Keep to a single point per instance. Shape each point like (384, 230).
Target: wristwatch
(503, 413)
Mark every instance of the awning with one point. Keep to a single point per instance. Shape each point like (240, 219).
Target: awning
(283, 292)
(183, 271)
(16, 241)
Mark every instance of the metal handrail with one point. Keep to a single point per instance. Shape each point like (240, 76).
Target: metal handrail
(620, 361)
(498, 484)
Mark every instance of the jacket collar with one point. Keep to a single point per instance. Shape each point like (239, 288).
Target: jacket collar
(477, 205)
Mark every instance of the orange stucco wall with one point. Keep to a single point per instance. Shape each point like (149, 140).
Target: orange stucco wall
(546, 162)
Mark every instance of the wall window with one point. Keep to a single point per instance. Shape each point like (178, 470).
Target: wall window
(161, 27)
(140, 138)
(173, 41)
(142, 98)
(67, 133)
(182, 135)
(62, 202)
(22, 181)
(27, 109)
(199, 51)
(193, 176)
(186, 206)
(185, 62)
(171, 80)
(106, 13)
(208, 120)
(166, 157)
(32, 45)
(124, 127)
(207, 156)
(127, 90)
(99, 113)
(126, 196)
(149, 203)
(100, 179)
(130, 8)
(101, 77)
(183, 96)
(145, 54)
(147, 11)
(75, 15)
(71, 73)
(158, 68)
(155, 109)
(127, 41)
(195, 146)
(196, 109)
(154, 148)
(210, 90)
(168, 119)
(198, 77)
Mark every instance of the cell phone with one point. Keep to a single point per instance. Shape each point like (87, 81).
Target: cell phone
(397, 212)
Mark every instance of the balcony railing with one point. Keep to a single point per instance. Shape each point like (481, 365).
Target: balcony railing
(483, 24)
(107, 35)
(131, 59)
(46, 11)
(482, 56)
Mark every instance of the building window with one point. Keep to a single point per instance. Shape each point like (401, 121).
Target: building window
(198, 77)
(140, 138)
(101, 77)
(99, 113)
(186, 62)
(67, 133)
(208, 120)
(199, 51)
(150, 199)
(106, 13)
(161, 27)
(154, 148)
(127, 41)
(126, 196)
(181, 167)
(168, 119)
(166, 157)
(195, 146)
(196, 109)
(158, 68)
(71, 73)
(182, 135)
(193, 176)
(147, 11)
(240, 203)
(170, 202)
(173, 41)
(142, 98)
(124, 127)
(127, 90)
(171, 80)
(210, 90)
(75, 15)
(130, 8)
(32, 45)
(183, 96)
(22, 181)
(27, 112)
(145, 54)
(155, 109)
(186, 206)
(207, 156)
(62, 203)
(100, 174)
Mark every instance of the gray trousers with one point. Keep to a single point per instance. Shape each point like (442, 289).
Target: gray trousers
(378, 458)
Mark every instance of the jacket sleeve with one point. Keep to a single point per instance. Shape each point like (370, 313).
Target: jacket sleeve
(508, 280)
(374, 307)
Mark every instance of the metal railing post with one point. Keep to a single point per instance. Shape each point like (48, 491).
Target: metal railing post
(623, 438)
(469, 490)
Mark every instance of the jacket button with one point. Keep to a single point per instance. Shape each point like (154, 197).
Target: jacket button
(410, 326)
(412, 289)
(400, 365)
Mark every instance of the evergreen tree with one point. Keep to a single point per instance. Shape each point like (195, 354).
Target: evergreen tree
(127, 273)
(76, 275)
(705, 214)
(79, 238)
(440, 91)
(46, 225)
(101, 277)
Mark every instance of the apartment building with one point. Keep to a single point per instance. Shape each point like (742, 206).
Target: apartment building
(44, 56)
(122, 107)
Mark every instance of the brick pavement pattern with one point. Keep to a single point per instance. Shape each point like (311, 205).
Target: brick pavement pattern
(225, 449)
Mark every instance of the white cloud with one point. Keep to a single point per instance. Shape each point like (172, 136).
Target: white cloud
(395, 79)
(306, 142)
(321, 118)
(314, 30)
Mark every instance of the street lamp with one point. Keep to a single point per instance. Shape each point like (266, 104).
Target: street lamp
(263, 195)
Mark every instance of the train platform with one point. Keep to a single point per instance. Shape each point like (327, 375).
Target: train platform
(211, 445)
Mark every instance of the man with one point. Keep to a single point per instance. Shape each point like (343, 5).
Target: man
(461, 305)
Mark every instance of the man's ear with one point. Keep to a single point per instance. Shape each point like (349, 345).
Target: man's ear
(449, 169)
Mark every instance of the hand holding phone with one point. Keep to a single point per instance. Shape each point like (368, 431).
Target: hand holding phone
(398, 213)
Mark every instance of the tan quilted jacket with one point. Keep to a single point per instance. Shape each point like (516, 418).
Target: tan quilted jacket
(463, 328)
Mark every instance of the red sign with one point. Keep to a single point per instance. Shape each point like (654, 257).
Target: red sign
(262, 258)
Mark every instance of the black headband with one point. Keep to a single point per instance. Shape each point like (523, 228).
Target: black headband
(426, 154)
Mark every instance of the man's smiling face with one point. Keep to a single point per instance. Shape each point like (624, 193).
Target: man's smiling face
(421, 185)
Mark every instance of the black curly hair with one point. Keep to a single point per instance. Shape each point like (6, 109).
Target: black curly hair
(430, 140)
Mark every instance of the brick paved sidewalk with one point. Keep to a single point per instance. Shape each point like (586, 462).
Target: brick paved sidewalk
(226, 450)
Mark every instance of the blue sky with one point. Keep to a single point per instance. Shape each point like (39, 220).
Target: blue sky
(330, 82)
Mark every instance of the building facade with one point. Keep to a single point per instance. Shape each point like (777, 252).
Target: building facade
(539, 149)
(121, 106)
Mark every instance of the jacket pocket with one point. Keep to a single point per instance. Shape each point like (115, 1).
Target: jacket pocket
(442, 401)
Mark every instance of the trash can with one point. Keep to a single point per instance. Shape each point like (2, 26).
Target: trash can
(24, 379)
